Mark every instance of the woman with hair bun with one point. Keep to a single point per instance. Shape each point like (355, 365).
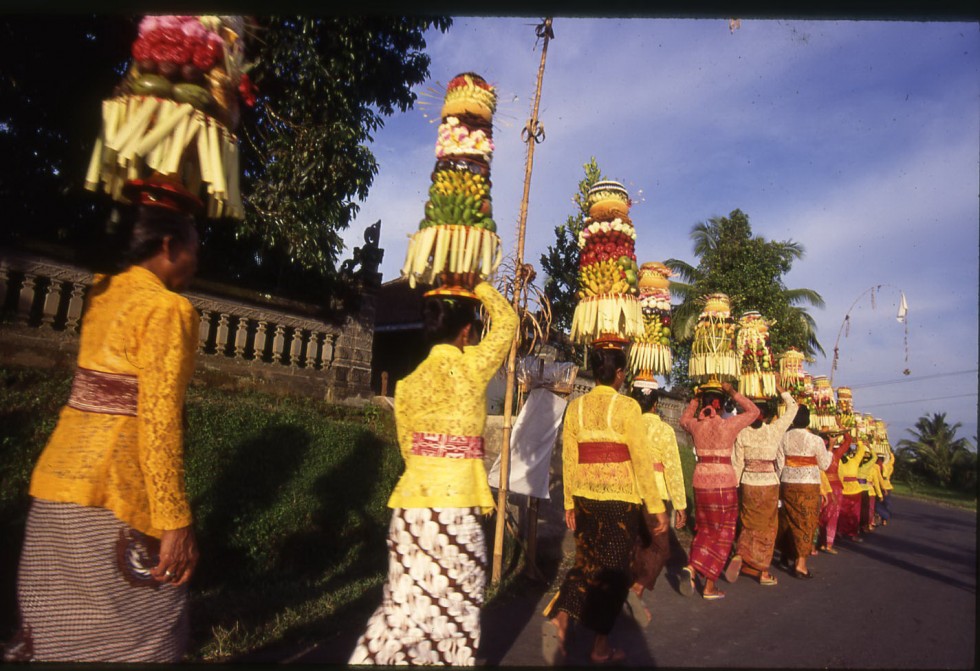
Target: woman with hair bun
(430, 609)
(109, 547)
(607, 477)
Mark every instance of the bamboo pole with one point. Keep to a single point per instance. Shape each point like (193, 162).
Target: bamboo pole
(532, 137)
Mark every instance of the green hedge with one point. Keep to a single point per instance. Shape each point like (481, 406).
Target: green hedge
(289, 501)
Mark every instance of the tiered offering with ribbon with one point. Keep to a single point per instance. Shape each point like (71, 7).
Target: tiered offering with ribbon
(880, 444)
(845, 408)
(457, 241)
(823, 404)
(608, 305)
(650, 353)
(175, 113)
(756, 376)
(791, 372)
(713, 356)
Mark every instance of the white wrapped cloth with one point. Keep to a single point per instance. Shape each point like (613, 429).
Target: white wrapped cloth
(531, 442)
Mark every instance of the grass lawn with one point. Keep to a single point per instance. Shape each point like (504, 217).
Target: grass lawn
(930, 492)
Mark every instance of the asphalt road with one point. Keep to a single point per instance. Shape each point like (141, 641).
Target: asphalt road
(903, 599)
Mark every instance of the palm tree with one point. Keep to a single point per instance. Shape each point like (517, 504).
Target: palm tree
(935, 449)
(728, 254)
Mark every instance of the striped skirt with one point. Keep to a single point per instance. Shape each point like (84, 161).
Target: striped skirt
(84, 594)
(798, 518)
(715, 515)
(759, 513)
(430, 608)
(595, 588)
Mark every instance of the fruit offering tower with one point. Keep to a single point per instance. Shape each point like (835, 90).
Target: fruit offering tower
(880, 444)
(845, 408)
(791, 372)
(607, 268)
(176, 110)
(713, 355)
(650, 353)
(757, 379)
(823, 404)
(457, 237)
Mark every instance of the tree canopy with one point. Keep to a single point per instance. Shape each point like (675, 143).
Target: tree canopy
(325, 85)
(935, 452)
(750, 270)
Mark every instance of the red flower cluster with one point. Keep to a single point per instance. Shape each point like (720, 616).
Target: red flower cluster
(173, 45)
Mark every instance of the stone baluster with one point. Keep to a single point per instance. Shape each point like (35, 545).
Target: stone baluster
(277, 342)
(205, 329)
(314, 350)
(241, 336)
(52, 301)
(75, 303)
(327, 356)
(221, 335)
(295, 347)
(260, 337)
(26, 299)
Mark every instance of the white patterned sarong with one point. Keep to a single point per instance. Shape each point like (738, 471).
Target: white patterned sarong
(430, 610)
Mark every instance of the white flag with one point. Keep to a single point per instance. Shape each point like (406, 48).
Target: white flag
(903, 310)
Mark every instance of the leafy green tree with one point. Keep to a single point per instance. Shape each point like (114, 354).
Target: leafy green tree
(936, 452)
(750, 270)
(325, 86)
(561, 260)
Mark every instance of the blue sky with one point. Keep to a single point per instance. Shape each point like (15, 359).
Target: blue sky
(858, 139)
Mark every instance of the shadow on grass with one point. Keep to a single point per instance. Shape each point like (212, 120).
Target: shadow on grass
(317, 584)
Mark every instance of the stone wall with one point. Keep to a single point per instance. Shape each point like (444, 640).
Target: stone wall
(247, 340)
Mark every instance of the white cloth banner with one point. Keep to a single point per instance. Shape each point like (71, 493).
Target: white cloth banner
(531, 441)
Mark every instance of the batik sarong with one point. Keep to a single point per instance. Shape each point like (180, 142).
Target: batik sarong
(715, 516)
(595, 588)
(85, 593)
(830, 513)
(430, 607)
(650, 552)
(798, 518)
(759, 513)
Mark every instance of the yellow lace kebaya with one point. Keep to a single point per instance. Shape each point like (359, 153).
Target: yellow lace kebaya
(605, 416)
(848, 471)
(661, 441)
(446, 395)
(130, 465)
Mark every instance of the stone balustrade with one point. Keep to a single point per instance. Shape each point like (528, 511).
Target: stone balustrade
(253, 343)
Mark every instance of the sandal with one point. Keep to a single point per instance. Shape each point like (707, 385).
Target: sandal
(615, 656)
(802, 576)
(552, 647)
(640, 612)
(829, 550)
(767, 580)
(713, 596)
(686, 585)
(734, 566)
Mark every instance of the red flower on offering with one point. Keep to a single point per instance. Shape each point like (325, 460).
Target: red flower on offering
(247, 90)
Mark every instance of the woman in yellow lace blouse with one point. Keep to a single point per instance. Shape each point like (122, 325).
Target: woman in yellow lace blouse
(108, 547)
(652, 550)
(430, 611)
(607, 475)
